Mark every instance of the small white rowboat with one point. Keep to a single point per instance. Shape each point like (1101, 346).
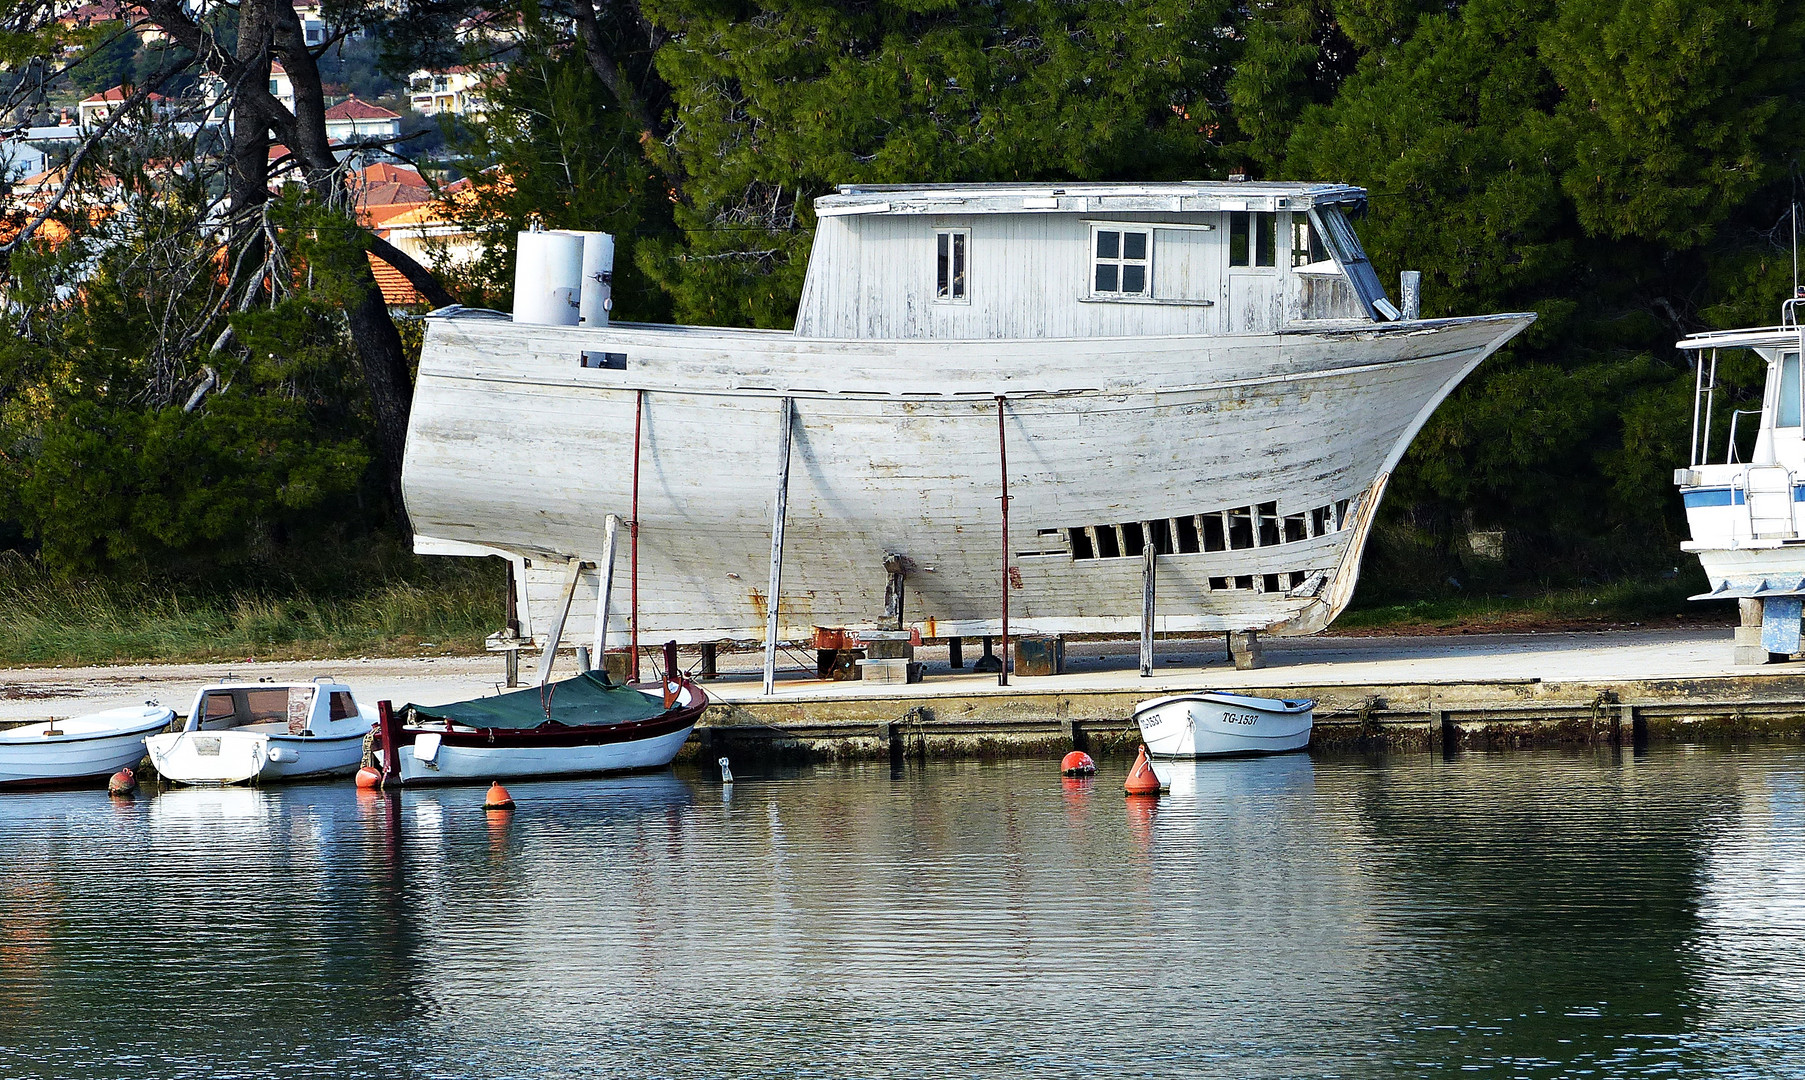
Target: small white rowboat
(78, 749)
(1213, 724)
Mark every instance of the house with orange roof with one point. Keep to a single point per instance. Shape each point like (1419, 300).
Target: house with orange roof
(95, 108)
(456, 90)
(352, 119)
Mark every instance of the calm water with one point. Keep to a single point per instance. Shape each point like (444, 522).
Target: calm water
(1530, 914)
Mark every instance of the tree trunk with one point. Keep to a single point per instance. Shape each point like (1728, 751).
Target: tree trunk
(386, 376)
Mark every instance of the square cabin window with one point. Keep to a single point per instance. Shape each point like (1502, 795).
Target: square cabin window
(1253, 236)
(952, 259)
(1120, 261)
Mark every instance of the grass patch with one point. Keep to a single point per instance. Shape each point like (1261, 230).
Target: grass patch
(380, 602)
(1618, 606)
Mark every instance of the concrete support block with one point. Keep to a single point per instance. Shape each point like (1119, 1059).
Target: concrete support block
(990, 663)
(890, 672)
(881, 649)
(1748, 655)
(955, 653)
(1244, 647)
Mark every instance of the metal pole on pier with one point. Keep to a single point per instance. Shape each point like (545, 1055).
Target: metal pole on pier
(1003, 465)
(1148, 553)
(639, 408)
(605, 588)
(779, 512)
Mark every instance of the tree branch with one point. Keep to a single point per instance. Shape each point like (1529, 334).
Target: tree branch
(139, 96)
(417, 276)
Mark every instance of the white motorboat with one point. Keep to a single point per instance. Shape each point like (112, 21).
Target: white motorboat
(78, 749)
(257, 732)
(1214, 724)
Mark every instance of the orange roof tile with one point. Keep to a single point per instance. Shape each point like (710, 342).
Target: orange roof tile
(397, 291)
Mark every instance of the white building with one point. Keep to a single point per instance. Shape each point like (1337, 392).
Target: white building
(351, 120)
(457, 90)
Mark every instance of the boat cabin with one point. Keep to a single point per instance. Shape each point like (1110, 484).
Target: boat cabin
(275, 708)
(988, 261)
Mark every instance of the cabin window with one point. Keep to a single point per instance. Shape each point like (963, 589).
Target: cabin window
(1306, 242)
(1120, 261)
(343, 708)
(952, 259)
(1253, 238)
(1786, 410)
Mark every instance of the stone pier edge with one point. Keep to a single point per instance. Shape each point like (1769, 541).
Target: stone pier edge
(1391, 715)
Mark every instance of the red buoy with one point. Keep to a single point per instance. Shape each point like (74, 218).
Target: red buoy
(498, 798)
(122, 784)
(369, 778)
(1141, 780)
(1077, 763)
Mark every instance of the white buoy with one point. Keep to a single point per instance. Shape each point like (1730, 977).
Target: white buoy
(726, 772)
(548, 278)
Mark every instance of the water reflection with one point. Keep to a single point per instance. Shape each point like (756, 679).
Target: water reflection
(1520, 915)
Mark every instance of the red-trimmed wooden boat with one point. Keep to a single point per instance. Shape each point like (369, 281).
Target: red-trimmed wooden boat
(577, 726)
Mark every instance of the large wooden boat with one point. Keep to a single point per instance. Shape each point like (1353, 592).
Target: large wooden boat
(1208, 371)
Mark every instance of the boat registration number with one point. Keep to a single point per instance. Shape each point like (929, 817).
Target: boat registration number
(207, 746)
(1240, 718)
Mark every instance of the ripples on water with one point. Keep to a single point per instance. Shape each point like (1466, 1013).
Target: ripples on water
(1529, 914)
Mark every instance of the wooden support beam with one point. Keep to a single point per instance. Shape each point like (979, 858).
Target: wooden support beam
(604, 589)
(779, 513)
(555, 636)
(1148, 562)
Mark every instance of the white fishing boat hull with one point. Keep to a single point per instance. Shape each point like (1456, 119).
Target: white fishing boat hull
(1218, 725)
(241, 757)
(439, 762)
(895, 451)
(87, 747)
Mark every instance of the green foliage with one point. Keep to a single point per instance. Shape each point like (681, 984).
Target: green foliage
(108, 60)
(779, 100)
(569, 159)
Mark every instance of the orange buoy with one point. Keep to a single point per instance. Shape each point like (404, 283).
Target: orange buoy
(1077, 763)
(122, 784)
(1141, 780)
(368, 778)
(498, 798)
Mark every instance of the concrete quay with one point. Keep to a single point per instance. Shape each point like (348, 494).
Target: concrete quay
(1467, 690)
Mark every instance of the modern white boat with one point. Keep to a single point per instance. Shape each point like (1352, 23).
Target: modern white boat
(259, 732)
(1206, 376)
(1217, 725)
(1743, 497)
(78, 749)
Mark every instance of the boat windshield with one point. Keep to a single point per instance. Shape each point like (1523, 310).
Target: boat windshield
(277, 707)
(1786, 408)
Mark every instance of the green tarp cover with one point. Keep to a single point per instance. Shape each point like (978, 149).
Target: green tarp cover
(583, 701)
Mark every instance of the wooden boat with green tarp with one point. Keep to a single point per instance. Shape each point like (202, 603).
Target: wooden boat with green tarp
(577, 726)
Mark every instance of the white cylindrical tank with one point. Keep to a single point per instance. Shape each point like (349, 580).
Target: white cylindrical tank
(548, 278)
(598, 278)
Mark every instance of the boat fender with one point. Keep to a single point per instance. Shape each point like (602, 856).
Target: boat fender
(1141, 779)
(498, 798)
(122, 784)
(277, 753)
(1077, 763)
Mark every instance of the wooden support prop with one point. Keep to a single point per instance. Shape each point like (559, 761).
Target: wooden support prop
(391, 748)
(511, 621)
(671, 673)
(709, 663)
(556, 636)
(1147, 580)
(639, 408)
(604, 590)
(955, 653)
(779, 512)
(1003, 467)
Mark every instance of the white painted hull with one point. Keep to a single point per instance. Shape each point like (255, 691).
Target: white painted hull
(88, 747)
(455, 764)
(516, 449)
(1217, 725)
(240, 757)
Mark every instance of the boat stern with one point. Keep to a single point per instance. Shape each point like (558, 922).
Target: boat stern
(209, 757)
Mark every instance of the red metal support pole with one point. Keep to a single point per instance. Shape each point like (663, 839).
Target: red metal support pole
(639, 399)
(391, 749)
(1003, 463)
